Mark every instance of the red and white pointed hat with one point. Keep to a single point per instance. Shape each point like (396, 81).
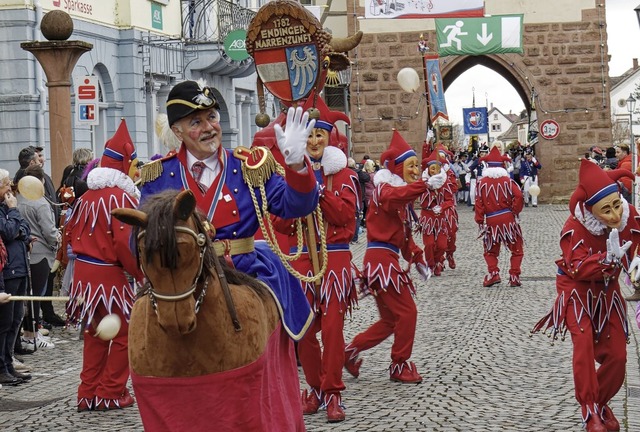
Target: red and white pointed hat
(495, 158)
(119, 151)
(594, 183)
(398, 152)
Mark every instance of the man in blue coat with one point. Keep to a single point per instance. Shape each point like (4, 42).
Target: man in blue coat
(218, 178)
(529, 176)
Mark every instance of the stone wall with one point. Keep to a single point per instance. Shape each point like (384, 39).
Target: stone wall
(566, 64)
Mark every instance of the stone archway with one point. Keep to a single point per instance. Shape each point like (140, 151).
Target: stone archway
(564, 60)
(458, 65)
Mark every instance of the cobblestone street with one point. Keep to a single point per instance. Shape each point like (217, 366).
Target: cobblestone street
(482, 371)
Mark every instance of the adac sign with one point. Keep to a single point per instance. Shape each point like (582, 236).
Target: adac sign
(234, 45)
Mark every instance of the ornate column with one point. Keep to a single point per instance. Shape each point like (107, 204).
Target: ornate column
(58, 57)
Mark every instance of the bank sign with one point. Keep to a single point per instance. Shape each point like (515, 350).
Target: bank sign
(234, 45)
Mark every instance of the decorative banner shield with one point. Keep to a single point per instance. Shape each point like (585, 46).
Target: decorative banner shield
(285, 42)
(475, 120)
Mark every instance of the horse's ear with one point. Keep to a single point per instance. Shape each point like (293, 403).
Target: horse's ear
(185, 205)
(131, 217)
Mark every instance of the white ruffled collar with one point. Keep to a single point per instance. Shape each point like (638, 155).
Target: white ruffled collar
(333, 160)
(494, 172)
(101, 177)
(593, 224)
(386, 176)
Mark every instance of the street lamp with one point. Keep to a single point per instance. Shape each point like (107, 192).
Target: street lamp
(631, 106)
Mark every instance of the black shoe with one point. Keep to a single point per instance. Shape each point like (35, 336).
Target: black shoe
(22, 351)
(46, 325)
(8, 379)
(21, 376)
(55, 320)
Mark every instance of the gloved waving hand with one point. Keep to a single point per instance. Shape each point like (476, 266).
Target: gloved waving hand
(615, 250)
(293, 140)
(634, 270)
(434, 181)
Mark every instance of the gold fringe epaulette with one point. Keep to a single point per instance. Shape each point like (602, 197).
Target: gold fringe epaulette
(150, 171)
(258, 164)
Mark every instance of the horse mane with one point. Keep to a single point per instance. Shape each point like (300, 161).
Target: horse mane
(160, 237)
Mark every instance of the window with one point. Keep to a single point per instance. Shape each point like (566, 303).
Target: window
(496, 127)
(495, 116)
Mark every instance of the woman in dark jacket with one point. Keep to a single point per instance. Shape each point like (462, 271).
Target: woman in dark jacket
(16, 235)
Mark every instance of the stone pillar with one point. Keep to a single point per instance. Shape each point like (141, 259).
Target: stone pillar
(58, 57)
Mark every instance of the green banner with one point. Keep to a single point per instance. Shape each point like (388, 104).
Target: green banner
(234, 45)
(156, 16)
(496, 34)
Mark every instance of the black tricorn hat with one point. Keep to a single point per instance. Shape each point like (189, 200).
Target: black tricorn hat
(187, 97)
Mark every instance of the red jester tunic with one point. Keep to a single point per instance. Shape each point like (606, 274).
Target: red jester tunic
(498, 203)
(439, 222)
(389, 232)
(590, 306)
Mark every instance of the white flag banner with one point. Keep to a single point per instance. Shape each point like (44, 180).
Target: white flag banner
(423, 8)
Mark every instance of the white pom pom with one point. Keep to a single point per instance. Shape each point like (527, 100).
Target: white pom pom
(108, 327)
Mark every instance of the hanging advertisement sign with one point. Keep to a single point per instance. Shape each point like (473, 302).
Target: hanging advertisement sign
(423, 8)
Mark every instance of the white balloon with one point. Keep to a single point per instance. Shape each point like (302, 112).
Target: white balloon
(409, 80)
(31, 188)
(534, 190)
(109, 327)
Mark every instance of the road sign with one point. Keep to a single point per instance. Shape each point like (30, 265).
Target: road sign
(87, 98)
(497, 34)
(549, 129)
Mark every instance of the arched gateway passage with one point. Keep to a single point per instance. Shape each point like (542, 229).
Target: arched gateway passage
(452, 69)
(564, 59)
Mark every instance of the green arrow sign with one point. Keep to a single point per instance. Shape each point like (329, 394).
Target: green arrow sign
(497, 34)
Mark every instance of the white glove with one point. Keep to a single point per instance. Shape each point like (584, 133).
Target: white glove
(430, 134)
(437, 209)
(55, 266)
(534, 160)
(634, 267)
(435, 181)
(293, 140)
(424, 271)
(615, 251)
(510, 168)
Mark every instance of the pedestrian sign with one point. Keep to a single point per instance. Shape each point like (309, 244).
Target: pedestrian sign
(497, 34)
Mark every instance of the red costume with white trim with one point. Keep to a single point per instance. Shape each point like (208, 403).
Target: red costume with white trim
(100, 284)
(332, 297)
(438, 216)
(390, 221)
(497, 206)
(589, 304)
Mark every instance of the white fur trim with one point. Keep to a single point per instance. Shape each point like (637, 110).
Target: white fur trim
(593, 224)
(333, 160)
(386, 176)
(100, 178)
(494, 172)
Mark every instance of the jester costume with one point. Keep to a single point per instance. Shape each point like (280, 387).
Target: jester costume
(101, 283)
(589, 304)
(497, 206)
(389, 233)
(438, 217)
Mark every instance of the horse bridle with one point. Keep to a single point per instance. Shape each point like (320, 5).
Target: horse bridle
(201, 241)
